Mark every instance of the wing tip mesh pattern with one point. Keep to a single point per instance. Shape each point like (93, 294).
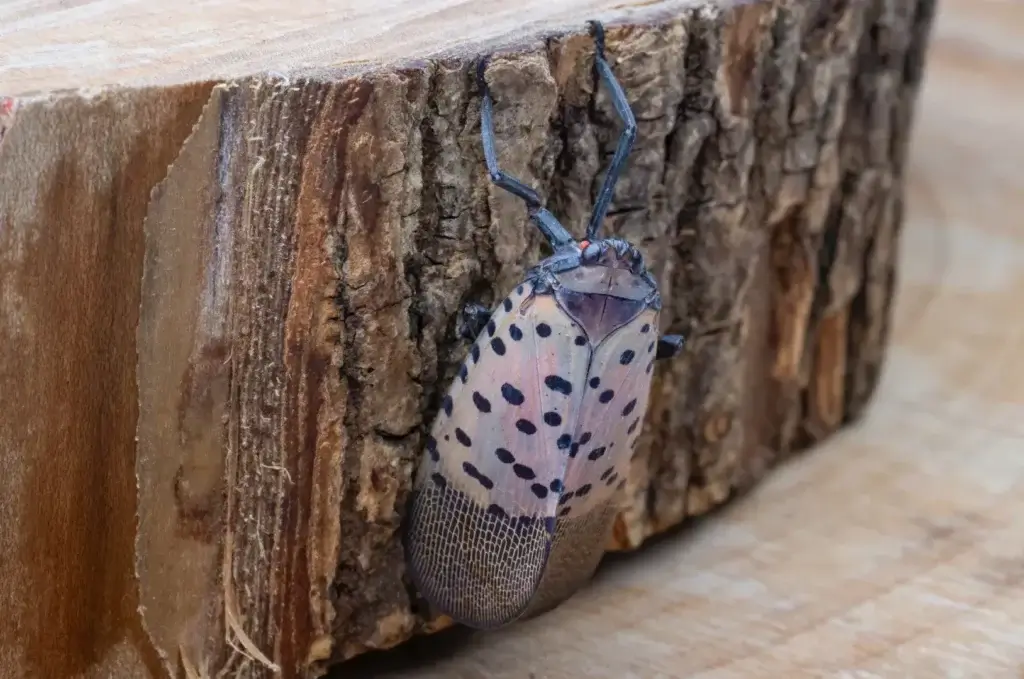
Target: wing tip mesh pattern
(479, 568)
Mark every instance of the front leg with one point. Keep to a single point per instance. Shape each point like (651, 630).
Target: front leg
(474, 318)
(669, 346)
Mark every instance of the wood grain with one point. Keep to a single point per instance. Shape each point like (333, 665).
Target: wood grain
(75, 178)
(893, 550)
(53, 45)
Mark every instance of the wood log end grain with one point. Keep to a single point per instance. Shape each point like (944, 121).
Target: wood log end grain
(75, 177)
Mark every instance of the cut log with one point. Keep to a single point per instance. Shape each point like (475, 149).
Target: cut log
(894, 549)
(250, 255)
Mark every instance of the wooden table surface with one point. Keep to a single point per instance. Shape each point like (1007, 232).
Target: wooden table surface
(896, 550)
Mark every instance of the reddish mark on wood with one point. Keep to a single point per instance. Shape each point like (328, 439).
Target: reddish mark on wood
(741, 40)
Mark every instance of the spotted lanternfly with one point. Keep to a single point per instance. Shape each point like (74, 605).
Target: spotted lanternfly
(525, 464)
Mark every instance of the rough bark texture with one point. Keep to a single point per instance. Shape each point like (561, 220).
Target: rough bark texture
(305, 259)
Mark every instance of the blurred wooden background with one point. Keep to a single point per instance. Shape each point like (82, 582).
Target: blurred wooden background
(896, 550)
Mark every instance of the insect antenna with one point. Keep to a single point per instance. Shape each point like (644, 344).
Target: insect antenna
(625, 145)
(549, 225)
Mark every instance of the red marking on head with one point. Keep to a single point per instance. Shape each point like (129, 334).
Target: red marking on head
(584, 244)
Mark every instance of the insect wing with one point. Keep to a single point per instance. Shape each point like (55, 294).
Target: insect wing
(488, 488)
(507, 438)
(611, 415)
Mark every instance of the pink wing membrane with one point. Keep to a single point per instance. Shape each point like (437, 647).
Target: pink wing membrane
(503, 434)
(611, 415)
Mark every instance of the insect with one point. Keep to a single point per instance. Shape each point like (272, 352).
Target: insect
(525, 464)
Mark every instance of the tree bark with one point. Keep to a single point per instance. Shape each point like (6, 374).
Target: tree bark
(276, 325)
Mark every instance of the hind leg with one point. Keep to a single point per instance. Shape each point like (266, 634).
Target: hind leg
(474, 318)
(669, 346)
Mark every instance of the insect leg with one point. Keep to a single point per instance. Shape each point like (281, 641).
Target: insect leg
(604, 198)
(474, 318)
(549, 225)
(669, 346)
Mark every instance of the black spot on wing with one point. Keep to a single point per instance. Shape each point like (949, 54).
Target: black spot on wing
(519, 290)
(650, 366)
(475, 353)
(539, 490)
(583, 490)
(606, 396)
(564, 441)
(515, 333)
(612, 479)
(512, 395)
(447, 404)
(432, 449)
(565, 498)
(564, 511)
(606, 473)
(552, 419)
(481, 403)
(462, 437)
(505, 456)
(491, 327)
(573, 449)
(498, 346)
(526, 427)
(543, 329)
(559, 384)
(524, 472)
(633, 425)
(650, 347)
(585, 439)
(438, 480)
(507, 304)
(474, 473)
(627, 357)
(629, 408)
(645, 328)
(580, 341)
(495, 510)
(595, 382)
(556, 486)
(464, 373)
(596, 453)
